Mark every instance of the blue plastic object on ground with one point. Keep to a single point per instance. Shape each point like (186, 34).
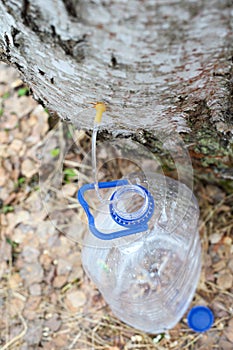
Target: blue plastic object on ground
(200, 318)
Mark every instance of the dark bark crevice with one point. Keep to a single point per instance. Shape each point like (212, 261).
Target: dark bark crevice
(19, 67)
(24, 12)
(228, 113)
(73, 48)
(31, 17)
(71, 7)
(7, 40)
(14, 33)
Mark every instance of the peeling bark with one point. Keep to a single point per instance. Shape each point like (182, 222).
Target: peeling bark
(159, 65)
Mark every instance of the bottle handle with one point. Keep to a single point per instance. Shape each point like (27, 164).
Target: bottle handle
(91, 221)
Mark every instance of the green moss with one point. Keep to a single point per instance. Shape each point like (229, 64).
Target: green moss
(214, 152)
(55, 152)
(23, 91)
(7, 209)
(227, 185)
(216, 163)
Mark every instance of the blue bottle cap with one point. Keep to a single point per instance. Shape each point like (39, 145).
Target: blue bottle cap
(200, 318)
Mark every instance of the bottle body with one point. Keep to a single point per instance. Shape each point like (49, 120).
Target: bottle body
(149, 278)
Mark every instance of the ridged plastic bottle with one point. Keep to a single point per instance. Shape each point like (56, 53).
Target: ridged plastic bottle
(148, 278)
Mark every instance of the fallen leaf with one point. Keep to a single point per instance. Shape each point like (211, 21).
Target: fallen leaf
(227, 240)
(30, 254)
(15, 306)
(3, 177)
(3, 151)
(8, 74)
(16, 83)
(225, 280)
(59, 281)
(11, 122)
(15, 281)
(34, 332)
(29, 168)
(215, 238)
(75, 300)
(35, 289)
(229, 331)
(69, 190)
(15, 218)
(5, 250)
(230, 265)
(33, 303)
(225, 345)
(29, 315)
(46, 260)
(16, 145)
(53, 323)
(60, 341)
(21, 106)
(4, 136)
(3, 220)
(3, 267)
(220, 265)
(32, 273)
(63, 267)
(10, 199)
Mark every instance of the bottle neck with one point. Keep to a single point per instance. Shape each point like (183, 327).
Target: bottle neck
(130, 203)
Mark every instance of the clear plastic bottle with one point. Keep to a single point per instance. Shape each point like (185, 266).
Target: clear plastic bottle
(149, 275)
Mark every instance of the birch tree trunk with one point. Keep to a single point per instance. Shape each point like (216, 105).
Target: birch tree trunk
(160, 66)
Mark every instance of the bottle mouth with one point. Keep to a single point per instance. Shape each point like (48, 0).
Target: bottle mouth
(131, 204)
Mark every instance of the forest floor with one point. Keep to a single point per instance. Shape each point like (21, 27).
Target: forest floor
(46, 300)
